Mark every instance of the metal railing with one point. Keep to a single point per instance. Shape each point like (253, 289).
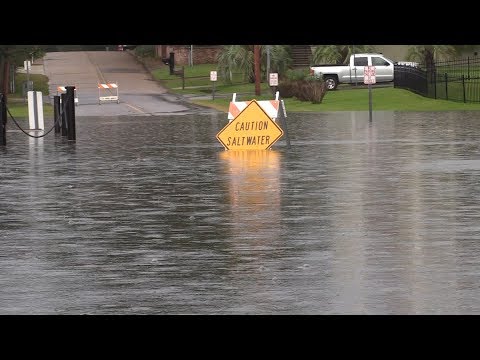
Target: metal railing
(455, 80)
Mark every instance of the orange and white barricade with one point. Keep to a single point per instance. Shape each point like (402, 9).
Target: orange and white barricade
(63, 90)
(108, 87)
(269, 106)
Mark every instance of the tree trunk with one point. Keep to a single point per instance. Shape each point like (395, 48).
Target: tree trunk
(256, 56)
(2, 74)
(6, 78)
(429, 63)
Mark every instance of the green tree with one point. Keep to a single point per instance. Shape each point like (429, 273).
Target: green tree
(428, 54)
(239, 58)
(15, 54)
(338, 54)
(236, 58)
(280, 59)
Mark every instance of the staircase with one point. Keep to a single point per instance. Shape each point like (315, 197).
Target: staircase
(301, 55)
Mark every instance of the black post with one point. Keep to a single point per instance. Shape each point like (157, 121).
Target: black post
(63, 115)
(183, 77)
(446, 86)
(468, 67)
(369, 102)
(56, 113)
(463, 84)
(70, 110)
(283, 120)
(435, 81)
(3, 120)
(171, 62)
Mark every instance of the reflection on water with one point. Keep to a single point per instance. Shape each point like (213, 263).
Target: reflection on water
(152, 216)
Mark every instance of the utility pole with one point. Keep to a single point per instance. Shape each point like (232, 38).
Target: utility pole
(256, 57)
(268, 63)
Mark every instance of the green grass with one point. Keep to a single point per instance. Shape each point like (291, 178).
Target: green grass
(383, 99)
(343, 99)
(15, 102)
(20, 110)
(455, 90)
(197, 81)
(40, 83)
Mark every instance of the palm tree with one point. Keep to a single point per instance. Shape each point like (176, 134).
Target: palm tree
(427, 54)
(236, 58)
(280, 58)
(240, 58)
(338, 54)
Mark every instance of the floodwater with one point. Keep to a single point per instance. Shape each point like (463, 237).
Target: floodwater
(150, 215)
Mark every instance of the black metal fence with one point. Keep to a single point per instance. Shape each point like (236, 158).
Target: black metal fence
(456, 80)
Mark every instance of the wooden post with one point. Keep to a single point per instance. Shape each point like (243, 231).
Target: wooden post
(256, 56)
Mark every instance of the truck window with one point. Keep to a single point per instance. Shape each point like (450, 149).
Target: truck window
(378, 61)
(360, 61)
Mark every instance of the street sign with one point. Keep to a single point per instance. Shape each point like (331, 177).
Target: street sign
(273, 79)
(369, 75)
(213, 76)
(252, 129)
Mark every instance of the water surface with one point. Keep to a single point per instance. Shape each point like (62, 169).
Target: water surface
(149, 215)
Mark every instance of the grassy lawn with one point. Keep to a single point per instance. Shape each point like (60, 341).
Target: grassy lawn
(197, 81)
(357, 100)
(15, 102)
(344, 99)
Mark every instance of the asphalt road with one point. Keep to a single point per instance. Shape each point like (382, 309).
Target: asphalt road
(138, 93)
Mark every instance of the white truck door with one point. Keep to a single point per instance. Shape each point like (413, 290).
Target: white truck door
(359, 62)
(383, 69)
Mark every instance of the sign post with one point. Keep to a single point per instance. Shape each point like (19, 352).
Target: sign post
(369, 78)
(213, 79)
(273, 81)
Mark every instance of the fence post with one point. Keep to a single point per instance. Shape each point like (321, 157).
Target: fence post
(435, 82)
(463, 85)
(183, 77)
(3, 120)
(70, 110)
(468, 67)
(446, 86)
(171, 63)
(56, 113)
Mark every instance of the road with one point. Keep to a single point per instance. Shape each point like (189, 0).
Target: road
(138, 93)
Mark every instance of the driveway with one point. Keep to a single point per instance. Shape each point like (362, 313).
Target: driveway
(138, 93)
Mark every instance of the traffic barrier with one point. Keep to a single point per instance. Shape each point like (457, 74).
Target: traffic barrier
(108, 87)
(269, 106)
(63, 90)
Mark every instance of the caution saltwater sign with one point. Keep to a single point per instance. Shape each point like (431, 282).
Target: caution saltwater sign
(252, 129)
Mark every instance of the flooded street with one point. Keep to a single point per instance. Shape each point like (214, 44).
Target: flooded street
(149, 215)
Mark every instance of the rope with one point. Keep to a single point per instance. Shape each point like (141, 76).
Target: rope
(37, 136)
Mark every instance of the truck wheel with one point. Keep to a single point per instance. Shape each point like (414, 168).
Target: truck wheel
(331, 82)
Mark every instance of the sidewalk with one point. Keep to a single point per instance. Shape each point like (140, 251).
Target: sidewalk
(36, 68)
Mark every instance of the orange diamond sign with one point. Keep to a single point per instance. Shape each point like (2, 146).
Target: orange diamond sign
(252, 129)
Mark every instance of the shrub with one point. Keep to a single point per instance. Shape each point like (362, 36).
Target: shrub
(287, 88)
(145, 50)
(301, 84)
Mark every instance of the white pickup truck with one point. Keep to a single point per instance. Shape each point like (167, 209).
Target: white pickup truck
(354, 72)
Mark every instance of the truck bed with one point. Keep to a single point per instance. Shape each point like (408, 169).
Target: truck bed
(322, 65)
